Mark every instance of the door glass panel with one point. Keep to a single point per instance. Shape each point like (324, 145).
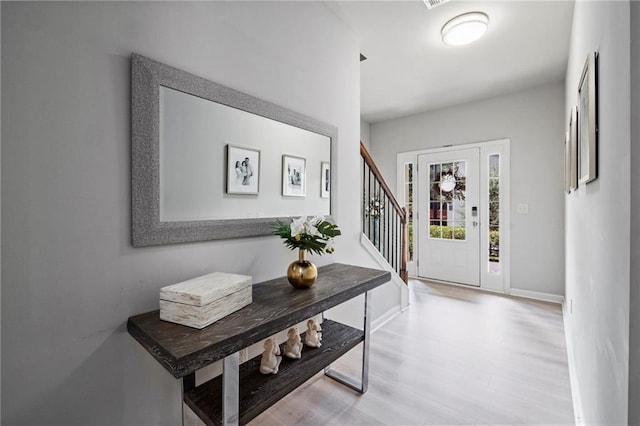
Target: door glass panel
(435, 230)
(460, 170)
(434, 174)
(447, 207)
(494, 165)
(494, 213)
(459, 212)
(459, 231)
(408, 204)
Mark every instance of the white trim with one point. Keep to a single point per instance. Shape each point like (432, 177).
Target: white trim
(546, 297)
(395, 278)
(385, 318)
(578, 412)
(502, 281)
(479, 144)
(412, 266)
(534, 295)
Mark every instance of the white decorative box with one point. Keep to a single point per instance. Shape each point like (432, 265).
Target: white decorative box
(202, 301)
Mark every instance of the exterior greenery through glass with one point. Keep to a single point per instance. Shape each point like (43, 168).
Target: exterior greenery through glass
(447, 193)
(408, 204)
(494, 213)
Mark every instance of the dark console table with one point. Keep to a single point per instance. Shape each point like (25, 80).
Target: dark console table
(242, 392)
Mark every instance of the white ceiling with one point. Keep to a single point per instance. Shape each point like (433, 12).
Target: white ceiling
(410, 70)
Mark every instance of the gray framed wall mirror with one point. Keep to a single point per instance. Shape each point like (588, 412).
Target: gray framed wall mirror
(207, 160)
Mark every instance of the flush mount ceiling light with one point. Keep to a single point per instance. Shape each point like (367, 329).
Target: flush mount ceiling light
(465, 28)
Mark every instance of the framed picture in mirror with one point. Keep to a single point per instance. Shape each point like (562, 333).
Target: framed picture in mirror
(325, 180)
(294, 176)
(243, 170)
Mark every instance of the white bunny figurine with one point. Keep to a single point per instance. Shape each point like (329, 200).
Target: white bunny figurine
(314, 335)
(270, 361)
(293, 347)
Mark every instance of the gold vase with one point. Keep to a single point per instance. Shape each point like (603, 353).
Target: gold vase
(302, 273)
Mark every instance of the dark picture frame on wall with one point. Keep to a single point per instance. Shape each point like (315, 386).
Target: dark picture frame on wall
(567, 163)
(588, 120)
(573, 149)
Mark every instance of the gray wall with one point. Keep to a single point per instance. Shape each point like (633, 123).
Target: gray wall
(533, 120)
(634, 303)
(365, 133)
(598, 218)
(71, 278)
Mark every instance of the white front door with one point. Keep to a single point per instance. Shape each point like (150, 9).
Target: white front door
(449, 216)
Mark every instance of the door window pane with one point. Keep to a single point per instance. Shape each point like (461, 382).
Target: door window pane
(408, 204)
(434, 174)
(460, 171)
(494, 165)
(447, 207)
(494, 213)
(459, 231)
(459, 210)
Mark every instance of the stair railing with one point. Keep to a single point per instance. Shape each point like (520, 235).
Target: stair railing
(384, 222)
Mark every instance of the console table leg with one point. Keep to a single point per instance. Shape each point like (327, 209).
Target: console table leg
(363, 384)
(231, 389)
(188, 383)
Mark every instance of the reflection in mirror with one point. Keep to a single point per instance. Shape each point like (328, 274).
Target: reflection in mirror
(208, 162)
(197, 173)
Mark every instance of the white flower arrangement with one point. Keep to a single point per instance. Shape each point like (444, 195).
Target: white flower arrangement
(315, 234)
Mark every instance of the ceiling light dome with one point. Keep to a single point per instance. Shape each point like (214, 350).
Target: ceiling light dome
(465, 28)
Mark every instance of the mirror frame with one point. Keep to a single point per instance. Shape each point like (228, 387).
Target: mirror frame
(147, 76)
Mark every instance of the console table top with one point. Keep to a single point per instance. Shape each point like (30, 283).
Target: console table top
(276, 305)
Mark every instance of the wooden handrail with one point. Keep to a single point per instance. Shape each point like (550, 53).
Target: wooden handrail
(383, 184)
(400, 211)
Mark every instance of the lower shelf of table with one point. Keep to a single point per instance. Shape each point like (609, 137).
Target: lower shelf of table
(259, 391)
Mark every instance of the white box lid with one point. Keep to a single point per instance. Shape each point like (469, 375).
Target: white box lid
(203, 290)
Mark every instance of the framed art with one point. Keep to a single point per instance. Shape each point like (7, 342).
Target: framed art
(567, 163)
(573, 149)
(243, 170)
(325, 180)
(294, 176)
(588, 123)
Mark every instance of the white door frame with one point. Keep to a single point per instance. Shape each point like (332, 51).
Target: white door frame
(499, 283)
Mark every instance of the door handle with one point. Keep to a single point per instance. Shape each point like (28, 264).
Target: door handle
(475, 223)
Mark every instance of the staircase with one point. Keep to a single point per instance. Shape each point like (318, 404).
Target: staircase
(384, 222)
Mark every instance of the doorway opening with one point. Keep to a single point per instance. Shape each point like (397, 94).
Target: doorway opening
(459, 199)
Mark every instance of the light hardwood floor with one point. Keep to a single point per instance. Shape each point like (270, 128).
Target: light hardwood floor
(458, 356)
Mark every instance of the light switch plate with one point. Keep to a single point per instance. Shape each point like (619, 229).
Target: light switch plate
(523, 208)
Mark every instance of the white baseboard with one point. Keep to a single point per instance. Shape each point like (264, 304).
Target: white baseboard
(546, 297)
(536, 295)
(578, 413)
(385, 318)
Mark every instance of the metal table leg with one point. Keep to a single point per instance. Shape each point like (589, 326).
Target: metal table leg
(188, 383)
(231, 389)
(361, 385)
